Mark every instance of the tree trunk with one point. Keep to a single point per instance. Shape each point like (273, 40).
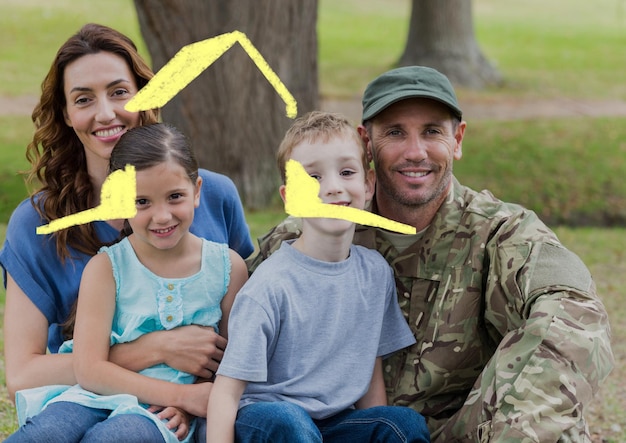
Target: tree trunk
(441, 35)
(233, 116)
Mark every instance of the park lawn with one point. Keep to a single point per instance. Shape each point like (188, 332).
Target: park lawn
(567, 170)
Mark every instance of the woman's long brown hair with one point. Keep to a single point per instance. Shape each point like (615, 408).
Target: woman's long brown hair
(56, 154)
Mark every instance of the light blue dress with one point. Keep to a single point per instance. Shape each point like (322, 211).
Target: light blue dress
(146, 304)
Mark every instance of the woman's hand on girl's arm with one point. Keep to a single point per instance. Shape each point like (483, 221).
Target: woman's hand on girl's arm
(27, 364)
(194, 349)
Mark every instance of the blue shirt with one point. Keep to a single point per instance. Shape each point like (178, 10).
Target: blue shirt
(52, 286)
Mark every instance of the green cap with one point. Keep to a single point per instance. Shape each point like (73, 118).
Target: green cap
(408, 82)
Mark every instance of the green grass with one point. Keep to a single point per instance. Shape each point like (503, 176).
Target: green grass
(14, 136)
(357, 41)
(543, 49)
(556, 48)
(567, 170)
(37, 28)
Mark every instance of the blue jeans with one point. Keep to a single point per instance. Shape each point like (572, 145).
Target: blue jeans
(66, 422)
(279, 422)
(200, 435)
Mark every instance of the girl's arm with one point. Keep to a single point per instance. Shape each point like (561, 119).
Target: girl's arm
(238, 276)
(25, 343)
(376, 395)
(222, 409)
(94, 371)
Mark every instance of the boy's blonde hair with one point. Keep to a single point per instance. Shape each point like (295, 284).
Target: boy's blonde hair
(314, 126)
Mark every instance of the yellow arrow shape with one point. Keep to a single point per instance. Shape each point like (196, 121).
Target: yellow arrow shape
(302, 200)
(117, 200)
(191, 61)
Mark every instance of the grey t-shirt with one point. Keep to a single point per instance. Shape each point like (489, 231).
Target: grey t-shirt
(308, 331)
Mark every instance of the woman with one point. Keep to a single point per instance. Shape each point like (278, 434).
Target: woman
(78, 120)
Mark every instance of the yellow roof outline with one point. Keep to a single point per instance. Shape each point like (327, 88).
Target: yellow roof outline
(191, 60)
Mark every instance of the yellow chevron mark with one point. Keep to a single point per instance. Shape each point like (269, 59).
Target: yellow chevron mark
(117, 200)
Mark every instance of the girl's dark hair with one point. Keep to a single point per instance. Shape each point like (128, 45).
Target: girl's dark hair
(56, 154)
(151, 145)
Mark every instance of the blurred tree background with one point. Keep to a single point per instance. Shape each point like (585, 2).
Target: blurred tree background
(233, 117)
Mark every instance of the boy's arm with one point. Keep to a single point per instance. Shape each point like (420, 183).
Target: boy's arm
(238, 276)
(222, 409)
(376, 394)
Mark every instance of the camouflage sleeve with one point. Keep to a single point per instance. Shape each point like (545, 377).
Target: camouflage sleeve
(288, 229)
(556, 347)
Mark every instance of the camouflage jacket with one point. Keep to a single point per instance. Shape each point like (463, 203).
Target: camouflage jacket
(512, 340)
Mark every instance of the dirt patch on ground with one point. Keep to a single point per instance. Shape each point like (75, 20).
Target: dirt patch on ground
(22, 105)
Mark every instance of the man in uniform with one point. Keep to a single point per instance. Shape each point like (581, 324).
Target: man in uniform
(512, 339)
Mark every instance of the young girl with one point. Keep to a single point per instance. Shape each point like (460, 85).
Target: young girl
(158, 277)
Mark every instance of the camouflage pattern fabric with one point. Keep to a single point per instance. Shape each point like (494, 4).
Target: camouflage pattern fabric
(512, 340)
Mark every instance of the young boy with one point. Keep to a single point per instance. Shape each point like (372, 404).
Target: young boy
(309, 329)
